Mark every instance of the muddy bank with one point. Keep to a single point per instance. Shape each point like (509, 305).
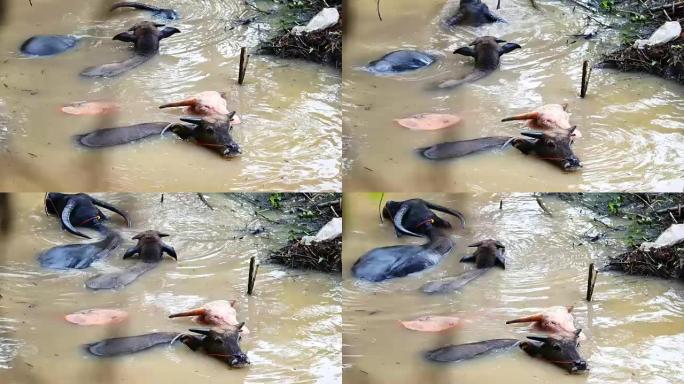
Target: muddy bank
(299, 215)
(648, 216)
(641, 20)
(321, 46)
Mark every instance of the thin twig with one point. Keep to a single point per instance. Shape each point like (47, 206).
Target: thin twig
(378, 8)
(201, 197)
(542, 206)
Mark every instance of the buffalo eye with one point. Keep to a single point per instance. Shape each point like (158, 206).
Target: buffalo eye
(556, 347)
(550, 144)
(217, 340)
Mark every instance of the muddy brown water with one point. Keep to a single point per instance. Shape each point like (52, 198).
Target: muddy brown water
(634, 325)
(290, 135)
(294, 317)
(632, 123)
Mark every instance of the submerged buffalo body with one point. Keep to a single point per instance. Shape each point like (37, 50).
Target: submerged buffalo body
(118, 346)
(460, 352)
(48, 45)
(414, 218)
(164, 13)
(79, 256)
(401, 61)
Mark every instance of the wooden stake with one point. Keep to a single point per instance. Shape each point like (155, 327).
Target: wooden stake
(591, 281)
(498, 4)
(244, 59)
(251, 279)
(586, 75)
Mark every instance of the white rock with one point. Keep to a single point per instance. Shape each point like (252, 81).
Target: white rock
(666, 33)
(326, 18)
(672, 236)
(332, 230)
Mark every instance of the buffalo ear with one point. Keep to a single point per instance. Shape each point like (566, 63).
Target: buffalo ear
(168, 31)
(508, 47)
(125, 36)
(475, 245)
(465, 51)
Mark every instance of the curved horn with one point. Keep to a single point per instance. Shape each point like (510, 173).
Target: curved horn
(162, 234)
(449, 211)
(398, 217)
(543, 339)
(527, 319)
(194, 312)
(66, 213)
(475, 244)
(499, 244)
(239, 327)
(534, 135)
(524, 116)
(183, 103)
(204, 332)
(577, 332)
(159, 25)
(112, 208)
(230, 115)
(192, 120)
(500, 41)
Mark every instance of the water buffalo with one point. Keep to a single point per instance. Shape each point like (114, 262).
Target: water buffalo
(489, 253)
(487, 54)
(412, 217)
(400, 61)
(145, 36)
(150, 250)
(80, 210)
(222, 344)
(212, 132)
(559, 351)
(473, 13)
(553, 148)
(163, 13)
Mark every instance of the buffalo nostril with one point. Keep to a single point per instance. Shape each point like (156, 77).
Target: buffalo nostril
(581, 364)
